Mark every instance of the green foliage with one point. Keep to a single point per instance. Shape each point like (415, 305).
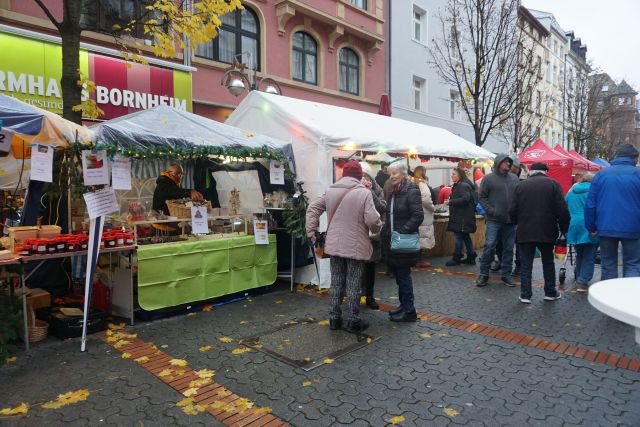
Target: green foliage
(192, 152)
(295, 218)
(9, 324)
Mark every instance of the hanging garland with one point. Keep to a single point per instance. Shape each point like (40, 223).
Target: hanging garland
(191, 152)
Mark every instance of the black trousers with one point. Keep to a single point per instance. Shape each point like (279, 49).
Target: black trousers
(368, 279)
(527, 254)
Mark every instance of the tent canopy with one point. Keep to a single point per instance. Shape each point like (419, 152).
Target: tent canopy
(592, 166)
(164, 126)
(353, 130)
(560, 166)
(601, 162)
(578, 162)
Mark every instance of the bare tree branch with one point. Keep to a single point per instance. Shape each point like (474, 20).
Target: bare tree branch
(47, 12)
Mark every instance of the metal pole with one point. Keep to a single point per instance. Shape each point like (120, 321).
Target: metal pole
(24, 307)
(293, 259)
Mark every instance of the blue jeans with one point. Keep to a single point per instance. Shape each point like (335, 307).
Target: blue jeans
(507, 234)
(405, 288)
(527, 254)
(585, 261)
(630, 257)
(462, 239)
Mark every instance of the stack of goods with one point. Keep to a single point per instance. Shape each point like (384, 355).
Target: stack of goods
(58, 244)
(114, 239)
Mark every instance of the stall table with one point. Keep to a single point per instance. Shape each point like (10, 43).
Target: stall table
(445, 242)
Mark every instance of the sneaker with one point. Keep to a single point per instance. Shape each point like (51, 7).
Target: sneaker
(482, 281)
(581, 286)
(507, 282)
(525, 300)
(557, 295)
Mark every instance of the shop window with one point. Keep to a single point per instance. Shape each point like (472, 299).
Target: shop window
(454, 101)
(239, 36)
(362, 4)
(418, 94)
(349, 71)
(305, 58)
(109, 16)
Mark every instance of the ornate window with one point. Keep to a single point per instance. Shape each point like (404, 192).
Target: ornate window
(349, 71)
(305, 58)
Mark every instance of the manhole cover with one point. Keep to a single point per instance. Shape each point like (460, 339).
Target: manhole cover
(307, 344)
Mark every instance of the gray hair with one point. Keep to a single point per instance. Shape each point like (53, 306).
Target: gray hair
(400, 166)
(586, 177)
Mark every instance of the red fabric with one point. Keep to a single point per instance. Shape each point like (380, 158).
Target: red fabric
(385, 105)
(477, 174)
(592, 166)
(578, 162)
(101, 297)
(560, 166)
(444, 194)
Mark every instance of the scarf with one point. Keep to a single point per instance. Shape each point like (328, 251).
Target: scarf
(398, 187)
(532, 173)
(171, 177)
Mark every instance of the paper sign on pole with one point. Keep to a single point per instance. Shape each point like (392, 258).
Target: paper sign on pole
(276, 172)
(121, 173)
(101, 203)
(42, 163)
(261, 232)
(95, 167)
(199, 220)
(6, 138)
(95, 236)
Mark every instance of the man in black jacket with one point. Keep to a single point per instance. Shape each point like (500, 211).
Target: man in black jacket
(539, 209)
(168, 188)
(496, 192)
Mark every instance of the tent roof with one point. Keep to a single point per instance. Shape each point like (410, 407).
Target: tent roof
(541, 152)
(578, 162)
(592, 165)
(352, 130)
(38, 125)
(164, 126)
(601, 162)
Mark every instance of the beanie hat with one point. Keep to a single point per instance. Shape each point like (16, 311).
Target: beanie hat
(352, 169)
(366, 169)
(539, 166)
(626, 150)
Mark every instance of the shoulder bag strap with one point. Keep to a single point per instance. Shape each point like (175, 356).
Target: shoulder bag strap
(392, 200)
(338, 206)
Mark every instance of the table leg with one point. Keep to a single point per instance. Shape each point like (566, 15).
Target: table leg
(131, 282)
(24, 308)
(293, 259)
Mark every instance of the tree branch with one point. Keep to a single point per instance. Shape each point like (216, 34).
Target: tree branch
(46, 11)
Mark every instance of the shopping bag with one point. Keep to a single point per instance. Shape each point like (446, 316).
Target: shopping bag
(560, 249)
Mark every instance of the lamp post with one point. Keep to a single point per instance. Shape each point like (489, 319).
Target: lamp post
(235, 79)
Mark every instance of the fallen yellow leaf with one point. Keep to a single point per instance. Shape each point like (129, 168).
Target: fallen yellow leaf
(200, 383)
(192, 314)
(299, 287)
(115, 327)
(11, 359)
(190, 392)
(125, 335)
(323, 322)
(112, 339)
(258, 346)
(262, 411)
(279, 301)
(165, 372)
(243, 322)
(223, 393)
(143, 359)
(207, 307)
(205, 373)
(307, 359)
(164, 345)
(126, 355)
(425, 335)
(205, 348)
(194, 409)
(279, 315)
(328, 361)
(67, 399)
(178, 362)
(225, 339)
(396, 420)
(21, 409)
(451, 412)
(238, 351)
(185, 402)
(121, 343)
(369, 340)
(306, 384)
(242, 404)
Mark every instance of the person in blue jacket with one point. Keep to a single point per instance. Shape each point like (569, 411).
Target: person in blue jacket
(584, 242)
(612, 212)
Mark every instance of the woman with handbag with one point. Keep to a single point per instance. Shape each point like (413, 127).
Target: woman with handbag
(369, 276)
(462, 217)
(400, 238)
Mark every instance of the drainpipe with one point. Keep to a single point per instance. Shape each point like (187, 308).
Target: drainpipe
(186, 52)
(387, 85)
(564, 101)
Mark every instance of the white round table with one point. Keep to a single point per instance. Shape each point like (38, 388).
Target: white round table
(620, 299)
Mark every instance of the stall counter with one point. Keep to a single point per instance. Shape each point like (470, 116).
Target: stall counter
(171, 274)
(444, 239)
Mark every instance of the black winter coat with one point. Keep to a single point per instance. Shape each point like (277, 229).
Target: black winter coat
(407, 217)
(539, 209)
(462, 208)
(165, 190)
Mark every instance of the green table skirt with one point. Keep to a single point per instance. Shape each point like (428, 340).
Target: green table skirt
(178, 273)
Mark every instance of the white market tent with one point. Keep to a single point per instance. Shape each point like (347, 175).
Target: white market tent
(321, 132)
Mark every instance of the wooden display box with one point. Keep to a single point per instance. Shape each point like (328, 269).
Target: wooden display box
(38, 298)
(19, 234)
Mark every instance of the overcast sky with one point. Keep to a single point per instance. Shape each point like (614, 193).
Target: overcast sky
(610, 29)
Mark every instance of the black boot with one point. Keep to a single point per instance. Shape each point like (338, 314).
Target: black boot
(455, 260)
(395, 311)
(335, 324)
(372, 304)
(357, 325)
(404, 316)
(470, 259)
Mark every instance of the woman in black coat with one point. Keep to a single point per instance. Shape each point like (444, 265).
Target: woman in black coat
(462, 216)
(406, 202)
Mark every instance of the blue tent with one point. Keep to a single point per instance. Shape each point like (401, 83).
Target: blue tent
(601, 162)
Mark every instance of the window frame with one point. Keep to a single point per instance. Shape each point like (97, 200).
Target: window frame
(96, 17)
(304, 56)
(239, 33)
(417, 10)
(420, 89)
(454, 111)
(364, 4)
(348, 67)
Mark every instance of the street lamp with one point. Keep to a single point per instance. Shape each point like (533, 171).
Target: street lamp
(238, 76)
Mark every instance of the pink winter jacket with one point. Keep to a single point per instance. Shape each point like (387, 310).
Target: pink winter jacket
(348, 234)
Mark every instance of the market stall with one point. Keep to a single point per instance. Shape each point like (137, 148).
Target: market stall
(560, 166)
(222, 162)
(322, 135)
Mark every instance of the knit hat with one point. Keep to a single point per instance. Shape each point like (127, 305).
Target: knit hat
(515, 161)
(366, 169)
(626, 150)
(539, 166)
(352, 169)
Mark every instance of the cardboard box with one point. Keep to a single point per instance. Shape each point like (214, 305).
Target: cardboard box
(38, 298)
(48, 231)
(19, 234)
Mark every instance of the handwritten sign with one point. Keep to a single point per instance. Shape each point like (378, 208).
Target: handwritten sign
(42, 163)
(101, 203)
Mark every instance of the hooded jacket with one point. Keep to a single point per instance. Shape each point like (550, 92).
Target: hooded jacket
(613, 204)
(576, 199)
(407, 217)
(496, 192)
(167, 189)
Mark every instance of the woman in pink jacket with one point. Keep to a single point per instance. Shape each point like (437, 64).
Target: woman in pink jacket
(351, 215)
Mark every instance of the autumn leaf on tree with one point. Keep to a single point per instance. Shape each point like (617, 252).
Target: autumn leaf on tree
(67, 399)
(225, 339)
(21, 409)
(396, 420)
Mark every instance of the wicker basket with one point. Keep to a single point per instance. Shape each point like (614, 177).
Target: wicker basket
(178, 209)
(38, 329)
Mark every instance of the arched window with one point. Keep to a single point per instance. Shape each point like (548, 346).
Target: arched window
(240, 32)
(349, 71)
(305, 58)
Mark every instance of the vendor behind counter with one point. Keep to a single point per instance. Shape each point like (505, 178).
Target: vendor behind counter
(168, 188)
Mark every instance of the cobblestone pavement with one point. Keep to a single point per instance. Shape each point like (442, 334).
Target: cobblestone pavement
(428, 373)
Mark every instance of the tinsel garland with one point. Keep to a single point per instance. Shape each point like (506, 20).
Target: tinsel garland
(191, 152)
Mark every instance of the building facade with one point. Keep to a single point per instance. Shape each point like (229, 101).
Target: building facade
(330, 51)
(576, 74)
(415, 89)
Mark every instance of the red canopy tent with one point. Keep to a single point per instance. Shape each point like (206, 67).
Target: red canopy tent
(580, 165)
(592, 166)
(560, 166)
